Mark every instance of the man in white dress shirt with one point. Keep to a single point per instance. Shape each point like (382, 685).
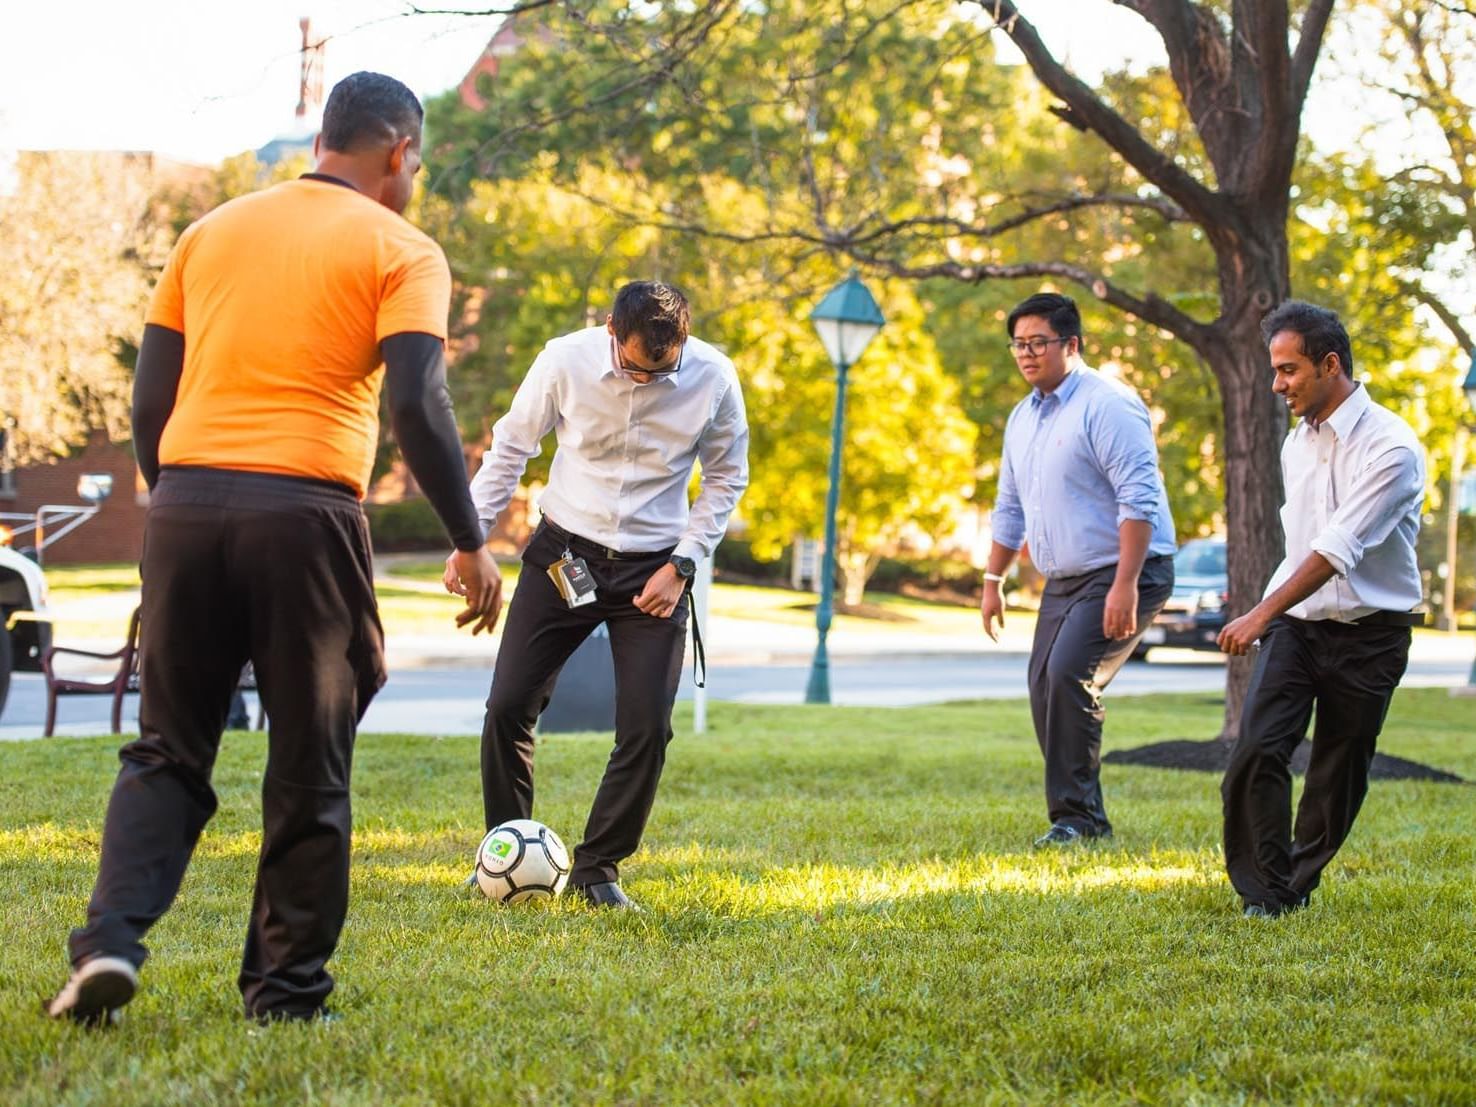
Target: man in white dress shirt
(1334, 626)
(635, 405)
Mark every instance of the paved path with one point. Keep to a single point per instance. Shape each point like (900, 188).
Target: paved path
(438, 699)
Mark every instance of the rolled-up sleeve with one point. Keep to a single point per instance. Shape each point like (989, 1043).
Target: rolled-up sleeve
(723, 452)
(516, 437)
(1007, 521)
(1390, 487)
(1123, 442)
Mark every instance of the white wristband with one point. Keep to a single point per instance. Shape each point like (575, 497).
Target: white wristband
(998, 578)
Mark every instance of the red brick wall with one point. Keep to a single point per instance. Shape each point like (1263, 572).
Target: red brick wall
(115, 533)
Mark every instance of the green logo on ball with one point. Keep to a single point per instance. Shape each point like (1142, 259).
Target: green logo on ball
(500, 847)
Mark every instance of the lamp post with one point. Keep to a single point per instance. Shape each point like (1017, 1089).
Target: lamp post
(1469, 388)
(846, 320)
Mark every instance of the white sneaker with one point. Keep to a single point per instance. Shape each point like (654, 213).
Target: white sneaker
(96, 991)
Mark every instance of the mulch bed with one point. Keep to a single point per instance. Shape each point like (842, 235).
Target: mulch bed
(1213, 756)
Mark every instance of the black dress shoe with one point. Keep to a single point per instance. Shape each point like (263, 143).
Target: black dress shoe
(1059, 835)
(1275, 910)
(607, 894)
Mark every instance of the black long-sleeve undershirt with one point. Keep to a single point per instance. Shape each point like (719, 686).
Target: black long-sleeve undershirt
(425, 427)
(419, 406)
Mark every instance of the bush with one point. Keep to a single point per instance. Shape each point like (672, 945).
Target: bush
(405, 525)
(734, 558)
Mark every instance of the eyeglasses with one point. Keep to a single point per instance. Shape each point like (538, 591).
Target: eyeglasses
(1036, 346)
(627, 367)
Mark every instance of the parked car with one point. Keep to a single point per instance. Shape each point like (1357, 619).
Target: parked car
(1195, 613)
(25, 627)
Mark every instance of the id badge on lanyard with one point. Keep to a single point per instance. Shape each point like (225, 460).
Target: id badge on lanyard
(571, 576)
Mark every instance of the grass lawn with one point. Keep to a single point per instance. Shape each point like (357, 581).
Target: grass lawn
(841, 907)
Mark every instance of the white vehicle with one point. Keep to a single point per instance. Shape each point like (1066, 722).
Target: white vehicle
(25, 624)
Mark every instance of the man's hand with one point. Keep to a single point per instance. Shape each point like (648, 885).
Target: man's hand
(1239, 637)
(1120, 612)
(991, 607)
(662, 592)
(474, 574)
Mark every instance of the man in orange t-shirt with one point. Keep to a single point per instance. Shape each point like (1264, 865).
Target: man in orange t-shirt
(255, 420)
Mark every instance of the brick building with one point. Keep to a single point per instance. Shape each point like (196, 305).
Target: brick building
(115, 533)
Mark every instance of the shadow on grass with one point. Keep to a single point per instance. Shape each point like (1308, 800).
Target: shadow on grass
(1213, 756)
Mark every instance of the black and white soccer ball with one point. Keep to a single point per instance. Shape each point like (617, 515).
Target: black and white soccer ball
(521, 859)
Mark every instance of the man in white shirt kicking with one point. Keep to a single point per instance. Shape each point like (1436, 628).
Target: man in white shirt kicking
(635, 405)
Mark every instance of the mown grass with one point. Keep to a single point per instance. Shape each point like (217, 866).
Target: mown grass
(841, 907)
(412, 601)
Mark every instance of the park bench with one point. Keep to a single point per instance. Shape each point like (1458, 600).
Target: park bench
(119, 684)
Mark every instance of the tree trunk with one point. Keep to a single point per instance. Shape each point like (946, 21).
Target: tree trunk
(1253, 279)
(856, 567)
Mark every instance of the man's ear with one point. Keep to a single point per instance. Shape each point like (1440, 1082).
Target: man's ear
(1332, 363)
(317, 145)
(397, 155)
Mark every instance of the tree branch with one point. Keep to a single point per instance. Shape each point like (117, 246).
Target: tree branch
(1203, 205)
(1309, 46)
(1199, 62)
(510, 9)
(1150, 308)
(1445, 315)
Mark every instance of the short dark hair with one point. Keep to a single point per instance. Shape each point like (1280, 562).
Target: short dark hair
(369, 109)
(1322, 331)
(1057, 310)
(654, 310)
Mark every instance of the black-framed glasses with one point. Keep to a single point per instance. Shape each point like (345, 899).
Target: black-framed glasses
(627, 367)
(1036, 345)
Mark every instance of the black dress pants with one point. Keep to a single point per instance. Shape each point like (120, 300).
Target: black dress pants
(275, 570)
(1349, 672)
(1071, 664)
(540, 634)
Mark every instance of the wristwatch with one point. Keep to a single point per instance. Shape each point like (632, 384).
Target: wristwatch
(686, 568)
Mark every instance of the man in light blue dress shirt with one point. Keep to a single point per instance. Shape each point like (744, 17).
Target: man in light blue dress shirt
(1079, 484)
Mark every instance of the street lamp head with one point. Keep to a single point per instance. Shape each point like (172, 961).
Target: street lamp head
(847, 320)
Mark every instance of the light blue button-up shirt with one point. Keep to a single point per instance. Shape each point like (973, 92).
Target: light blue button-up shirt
(1077, 463)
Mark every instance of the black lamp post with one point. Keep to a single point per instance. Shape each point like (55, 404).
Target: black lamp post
(847, 320)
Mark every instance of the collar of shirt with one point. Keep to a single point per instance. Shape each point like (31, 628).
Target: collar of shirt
(1345, 418)
(612, 369)
(1062, 392)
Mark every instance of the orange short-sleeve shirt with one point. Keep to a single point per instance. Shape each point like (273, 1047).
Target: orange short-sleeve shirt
(283, 297)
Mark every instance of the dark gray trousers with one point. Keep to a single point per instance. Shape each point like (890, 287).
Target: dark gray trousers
(1071, 664)
(1349, 672)
(540, 634)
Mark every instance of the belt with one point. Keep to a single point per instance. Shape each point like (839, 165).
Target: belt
(597, 550)
(1391, 619)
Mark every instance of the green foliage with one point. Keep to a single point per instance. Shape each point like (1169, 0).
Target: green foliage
(410, 524)
(881, 934)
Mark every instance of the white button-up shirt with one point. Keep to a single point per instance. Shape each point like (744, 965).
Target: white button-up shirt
(1354, 487)
(626, 451)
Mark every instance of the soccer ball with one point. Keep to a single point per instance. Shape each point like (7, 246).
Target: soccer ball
(521, 859)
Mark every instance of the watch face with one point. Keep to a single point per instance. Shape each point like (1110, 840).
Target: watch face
(685, 566)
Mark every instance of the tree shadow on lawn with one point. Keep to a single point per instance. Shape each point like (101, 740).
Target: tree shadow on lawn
(1212, 755)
